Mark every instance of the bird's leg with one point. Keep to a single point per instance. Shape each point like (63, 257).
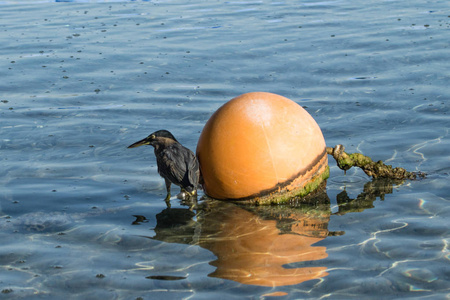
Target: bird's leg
(168, 183)
(192, 203)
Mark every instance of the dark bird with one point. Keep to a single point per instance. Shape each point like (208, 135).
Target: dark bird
(176, 163)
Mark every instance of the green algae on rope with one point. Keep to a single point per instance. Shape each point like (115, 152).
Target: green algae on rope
(374, 169)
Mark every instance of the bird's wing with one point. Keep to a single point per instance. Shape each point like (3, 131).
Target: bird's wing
(193, 170)
(173, 168)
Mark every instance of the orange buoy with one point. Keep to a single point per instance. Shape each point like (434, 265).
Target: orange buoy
(261, 147)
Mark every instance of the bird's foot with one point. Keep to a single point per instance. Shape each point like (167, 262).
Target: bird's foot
(188, 194)
(188, 199)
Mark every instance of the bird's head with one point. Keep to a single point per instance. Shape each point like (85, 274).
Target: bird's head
(156, 138)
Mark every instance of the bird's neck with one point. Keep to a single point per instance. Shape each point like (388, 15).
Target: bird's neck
(163, 144)
(158, 148)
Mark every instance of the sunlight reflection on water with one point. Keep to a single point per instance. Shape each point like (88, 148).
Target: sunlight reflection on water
(83, 80)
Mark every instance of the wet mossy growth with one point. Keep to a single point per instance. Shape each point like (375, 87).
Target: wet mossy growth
(316, 183)
(374, 169)
(314, 205)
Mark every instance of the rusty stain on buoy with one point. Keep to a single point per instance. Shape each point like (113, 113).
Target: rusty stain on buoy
(261, 148)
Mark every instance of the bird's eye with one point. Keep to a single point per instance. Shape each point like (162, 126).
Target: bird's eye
(152, 136)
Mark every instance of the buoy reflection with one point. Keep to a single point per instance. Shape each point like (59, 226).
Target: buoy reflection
(253, 249)
(264, 245)
(253, 245)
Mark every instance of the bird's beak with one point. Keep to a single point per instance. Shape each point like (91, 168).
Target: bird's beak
(140, 143)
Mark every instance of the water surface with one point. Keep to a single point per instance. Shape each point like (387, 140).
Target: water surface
(81, 80)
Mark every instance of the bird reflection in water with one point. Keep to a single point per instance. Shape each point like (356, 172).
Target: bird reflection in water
(263, 245)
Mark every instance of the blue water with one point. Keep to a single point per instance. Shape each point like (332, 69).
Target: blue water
(83, 80)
